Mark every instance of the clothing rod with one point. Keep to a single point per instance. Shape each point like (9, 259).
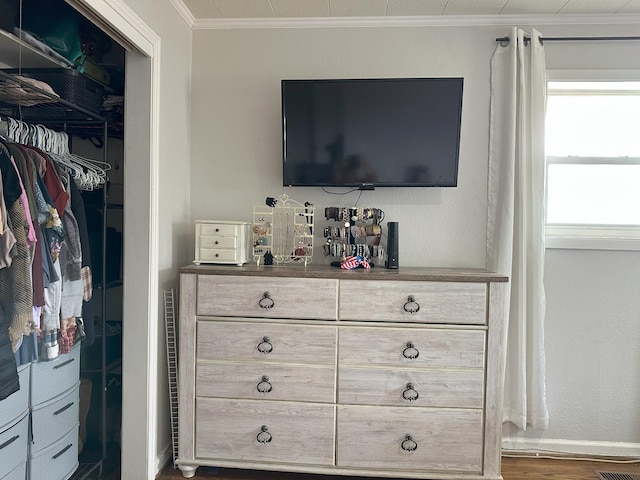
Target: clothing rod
(505, 40)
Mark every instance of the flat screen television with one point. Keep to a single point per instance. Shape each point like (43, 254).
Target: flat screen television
(367, 133)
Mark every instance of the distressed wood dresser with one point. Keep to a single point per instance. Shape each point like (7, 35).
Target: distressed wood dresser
(392, 373)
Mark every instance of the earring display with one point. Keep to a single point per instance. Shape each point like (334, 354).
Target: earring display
(356, 233)
(282, 231)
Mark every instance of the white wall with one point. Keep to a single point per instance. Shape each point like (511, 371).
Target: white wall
(236, 149)
(173, 194)
(592, 327)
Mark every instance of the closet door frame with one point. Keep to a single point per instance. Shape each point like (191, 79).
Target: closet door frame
(141, 221)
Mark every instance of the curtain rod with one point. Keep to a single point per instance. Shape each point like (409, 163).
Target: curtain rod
(505, 40)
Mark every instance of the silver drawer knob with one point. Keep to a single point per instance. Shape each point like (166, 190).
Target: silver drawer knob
(409, 444)
(264, 436)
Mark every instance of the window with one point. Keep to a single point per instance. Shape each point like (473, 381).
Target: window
(593, 164)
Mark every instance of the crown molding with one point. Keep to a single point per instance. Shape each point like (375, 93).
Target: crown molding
(440, 21)
(184, 12)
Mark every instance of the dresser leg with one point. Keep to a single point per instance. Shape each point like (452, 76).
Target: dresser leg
(188, 471)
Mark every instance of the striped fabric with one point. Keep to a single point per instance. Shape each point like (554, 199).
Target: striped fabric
(350, 263)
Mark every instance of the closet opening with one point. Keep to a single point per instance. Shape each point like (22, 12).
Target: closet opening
(62, 91)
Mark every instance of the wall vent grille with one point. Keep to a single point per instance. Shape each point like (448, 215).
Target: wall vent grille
(617, 475)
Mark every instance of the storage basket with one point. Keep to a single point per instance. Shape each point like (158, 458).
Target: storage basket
(72, 86)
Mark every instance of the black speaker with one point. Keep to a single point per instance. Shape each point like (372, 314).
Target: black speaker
(392, 245)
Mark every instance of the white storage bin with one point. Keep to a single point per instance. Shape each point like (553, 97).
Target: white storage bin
(51, 419)
(16, 404)
(50, 379)
(13, 446)
(58, 461)
(18, 473)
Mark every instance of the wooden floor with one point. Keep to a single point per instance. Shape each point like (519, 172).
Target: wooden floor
(512, 469)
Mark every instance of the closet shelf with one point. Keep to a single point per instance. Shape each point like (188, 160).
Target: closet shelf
(15, 52)
(24, 101)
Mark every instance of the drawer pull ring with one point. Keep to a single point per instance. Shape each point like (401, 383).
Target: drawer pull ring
(266, 301)
(264, 436)
(410, 393)
(264, 386)
(411, 306)
(410, 352)
(409, 444)
(265, 346)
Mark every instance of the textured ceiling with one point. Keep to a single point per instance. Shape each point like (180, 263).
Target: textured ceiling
(264, 9)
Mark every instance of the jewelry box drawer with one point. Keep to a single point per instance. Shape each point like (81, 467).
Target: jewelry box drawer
(238, 296)
(273, 432)
(418, 347)
(51, 378)
(13, 445)
(59, 460)
(16, 404)
(217, 229)
(301, 383)
(207, 242)
(218, 255)
(401, 439)
(411, 388)
(415, 302)
(50, 418)
(266, 342)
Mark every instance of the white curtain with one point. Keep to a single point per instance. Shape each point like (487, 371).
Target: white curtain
(515, 222)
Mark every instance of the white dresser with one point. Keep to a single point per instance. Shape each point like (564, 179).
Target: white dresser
(391, 373)
(222, 242)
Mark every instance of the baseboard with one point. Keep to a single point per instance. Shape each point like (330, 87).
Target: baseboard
(570, 447)
(164, 458)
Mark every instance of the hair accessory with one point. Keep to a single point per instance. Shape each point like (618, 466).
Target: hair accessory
(350, 263)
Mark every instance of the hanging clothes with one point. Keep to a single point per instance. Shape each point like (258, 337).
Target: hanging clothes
(8, 372)
(16, 295)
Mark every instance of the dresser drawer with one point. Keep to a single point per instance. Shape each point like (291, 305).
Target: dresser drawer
(430, 302)
(413, 388)
(13, 446)
(442, 439)
(218, 229)
(51, 418)
(266, 342)
(237, 296)
(16, 404)
(416, 347)
(50, 379)
(58, 461)
(295, 433)
(218, 242)
(256, 381)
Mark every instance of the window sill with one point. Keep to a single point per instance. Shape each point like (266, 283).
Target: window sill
(592, 238)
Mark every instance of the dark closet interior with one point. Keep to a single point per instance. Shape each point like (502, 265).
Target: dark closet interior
(48, 41)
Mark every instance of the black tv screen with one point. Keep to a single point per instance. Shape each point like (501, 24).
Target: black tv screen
(400, 132)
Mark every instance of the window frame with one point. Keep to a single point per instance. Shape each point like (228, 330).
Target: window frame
(591, 236)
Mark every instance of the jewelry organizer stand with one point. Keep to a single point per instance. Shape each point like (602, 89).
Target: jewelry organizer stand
(358, 232)
(285, 231)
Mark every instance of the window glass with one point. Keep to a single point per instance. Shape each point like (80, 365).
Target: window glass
(593, 153)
